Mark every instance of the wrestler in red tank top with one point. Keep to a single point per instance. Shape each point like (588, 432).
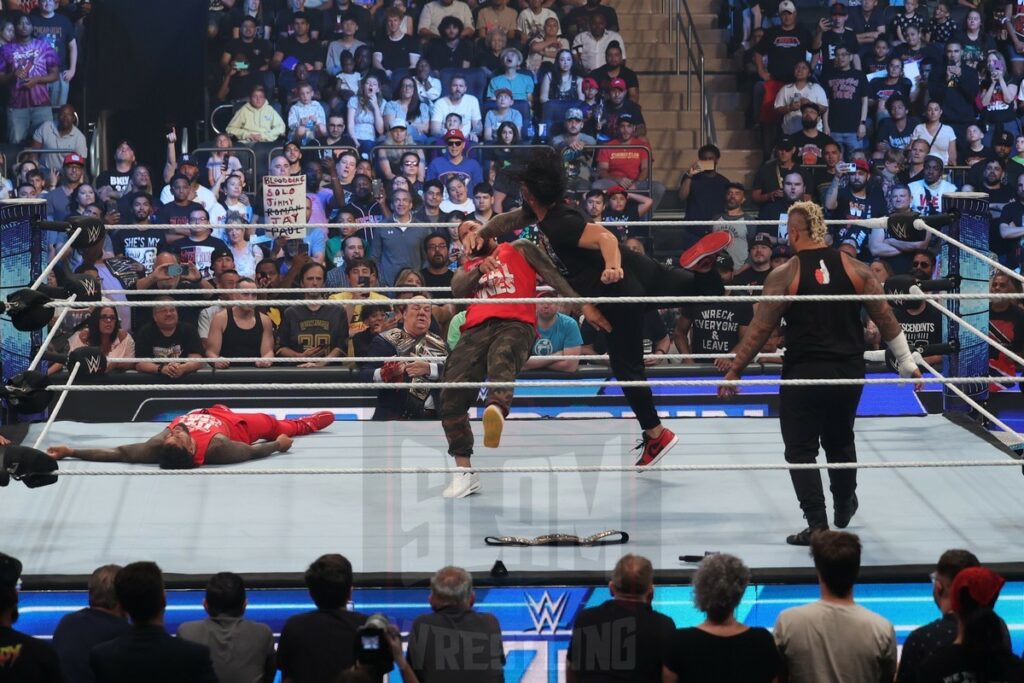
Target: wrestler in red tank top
(515, 279)
(205, 423)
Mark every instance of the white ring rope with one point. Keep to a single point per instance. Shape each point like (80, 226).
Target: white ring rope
(411, 359)
(61, 253)
(869, 223)
(1017, 438)
(60, 404)
(973, 252)
(978, 333)
(541, 469)
(596, 300)
(334, 290)
(50, 336)
(527, 384)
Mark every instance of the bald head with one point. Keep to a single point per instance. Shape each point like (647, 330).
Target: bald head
(633, 576)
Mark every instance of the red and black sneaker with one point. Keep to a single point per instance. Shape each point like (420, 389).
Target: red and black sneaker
(707, 246)
(315, 422)
(653, 450)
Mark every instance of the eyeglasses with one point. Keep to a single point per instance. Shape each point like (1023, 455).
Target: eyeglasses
(437, 247)
(410, 163)
(455, 143)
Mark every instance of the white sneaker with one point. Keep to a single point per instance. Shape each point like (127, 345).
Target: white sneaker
(494, 422)
(463, 484)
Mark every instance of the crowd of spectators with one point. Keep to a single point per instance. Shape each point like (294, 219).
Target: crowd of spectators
(121, 634)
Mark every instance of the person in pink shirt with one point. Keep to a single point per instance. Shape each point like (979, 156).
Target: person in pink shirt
(27, 66)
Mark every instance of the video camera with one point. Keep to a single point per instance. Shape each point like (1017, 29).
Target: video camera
(372, 649)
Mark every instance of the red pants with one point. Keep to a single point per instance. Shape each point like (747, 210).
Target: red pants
(260, 426)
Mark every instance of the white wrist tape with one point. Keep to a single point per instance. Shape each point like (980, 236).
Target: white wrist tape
(904, 359)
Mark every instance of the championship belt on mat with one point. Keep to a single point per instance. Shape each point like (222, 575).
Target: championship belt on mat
(609, 537)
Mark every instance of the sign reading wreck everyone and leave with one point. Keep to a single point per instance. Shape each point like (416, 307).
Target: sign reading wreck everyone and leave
(284, 205)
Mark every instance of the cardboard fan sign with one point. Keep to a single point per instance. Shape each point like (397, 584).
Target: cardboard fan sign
(284, 204)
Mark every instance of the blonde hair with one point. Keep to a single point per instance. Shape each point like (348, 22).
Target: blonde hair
(815, 219)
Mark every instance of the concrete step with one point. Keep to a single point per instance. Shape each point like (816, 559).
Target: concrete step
(687, 139)
(730, 100)
(667, 64)
(658, 119)
(631, 21)
(681, 158)
(672, 83)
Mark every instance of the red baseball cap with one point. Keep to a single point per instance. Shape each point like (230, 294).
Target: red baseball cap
(590, 83)
(617, 84)
(862, 165)
(617, 189)
(72, 158)
(982, 584)
(454, 134)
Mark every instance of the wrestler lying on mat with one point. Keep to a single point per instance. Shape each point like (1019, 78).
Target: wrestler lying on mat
(211, 436)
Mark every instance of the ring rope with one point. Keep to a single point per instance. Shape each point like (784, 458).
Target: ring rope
(60, 404)
(1017, 438)
(410, 359)
(978, 333)
(973, 252)
(545, 469)
(870, 223)
(54, 330)
(337, 290)
(340, 386)
(61, 253)
(596, 300)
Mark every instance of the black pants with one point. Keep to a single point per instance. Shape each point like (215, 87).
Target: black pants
(820, 416)
(645, 277)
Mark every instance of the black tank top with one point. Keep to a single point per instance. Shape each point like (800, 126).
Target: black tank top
(829, 331)
(239, 343)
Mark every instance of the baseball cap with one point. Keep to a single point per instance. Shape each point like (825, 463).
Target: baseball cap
(1005, 139)
(221, 252)
(625, 117)
(188, 160)
(724, 261)
(399, 123)
(617, 189)
(574, 113)
(617, 84)
(590, 83)
(862, 165)
(74, 159)
(839, 8)
(982, 584)
(762, 239)
(787, 6)
(289, 63)
(784, 142)
(810, 105)
(781, 251)
(454, 134)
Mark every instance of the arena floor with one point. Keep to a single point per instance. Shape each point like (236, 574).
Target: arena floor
(196, 525)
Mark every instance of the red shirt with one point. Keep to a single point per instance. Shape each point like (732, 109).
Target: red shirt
(516, 279)
(206, 423)
(624, 163)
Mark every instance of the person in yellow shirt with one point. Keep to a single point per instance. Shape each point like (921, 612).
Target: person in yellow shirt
(256, 121)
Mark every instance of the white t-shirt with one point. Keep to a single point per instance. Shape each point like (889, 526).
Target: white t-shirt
(940, 142)
(792, 120)
(826, 641)
(203, 196)
(591, 50)
(532, 25)
(468, 108)
(434, 12)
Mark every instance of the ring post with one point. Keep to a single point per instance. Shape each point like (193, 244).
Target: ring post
(971, 227)
(22, 256)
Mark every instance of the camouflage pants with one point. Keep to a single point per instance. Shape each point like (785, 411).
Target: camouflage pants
(495, 349)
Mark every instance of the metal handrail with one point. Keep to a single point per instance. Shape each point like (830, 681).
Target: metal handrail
(682, 32)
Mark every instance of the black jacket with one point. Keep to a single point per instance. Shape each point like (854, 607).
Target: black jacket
(151, 654)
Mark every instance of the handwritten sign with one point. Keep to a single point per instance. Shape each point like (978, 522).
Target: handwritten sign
(284, 205)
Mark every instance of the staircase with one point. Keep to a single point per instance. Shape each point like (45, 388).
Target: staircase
(673, 131)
